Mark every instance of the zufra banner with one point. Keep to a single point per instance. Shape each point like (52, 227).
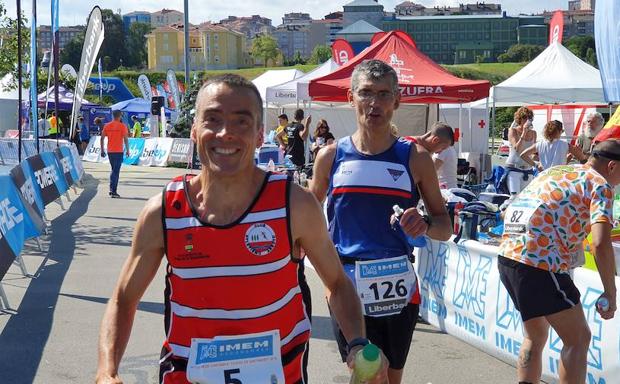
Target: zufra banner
(462, 295)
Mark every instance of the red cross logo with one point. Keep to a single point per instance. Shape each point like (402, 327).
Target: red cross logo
(481, 124)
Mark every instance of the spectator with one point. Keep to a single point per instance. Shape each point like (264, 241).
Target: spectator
(44, 126)
(136, 130)
(552, 150)
(282, 123)
(521, 136)
(117, 134)
(55, 124)
(84, 133)
(590, 128)
(322, 137)
(446, 163)
(296, 134)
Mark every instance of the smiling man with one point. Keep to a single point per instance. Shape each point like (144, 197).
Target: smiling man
(231, 238)
(363, 176)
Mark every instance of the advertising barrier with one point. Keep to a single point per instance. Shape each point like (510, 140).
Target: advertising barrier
(136, 147)
(181, 151)
(66, 165)
(16, 223)
(156, 152)
(8, 151)
(24, 180)
(462, 295)
(93, 151)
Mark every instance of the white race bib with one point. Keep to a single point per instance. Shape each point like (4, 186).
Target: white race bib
(518, 214)
(385, 286)
(242, 359)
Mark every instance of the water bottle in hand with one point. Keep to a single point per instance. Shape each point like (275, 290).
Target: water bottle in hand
(418, 241)
(602, 304)
(367, 364)
(271, 166)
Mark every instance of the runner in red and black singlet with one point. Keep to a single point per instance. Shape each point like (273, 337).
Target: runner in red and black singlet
(237, 307)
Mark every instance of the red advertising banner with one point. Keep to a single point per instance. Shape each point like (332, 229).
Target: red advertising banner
(342, 51)
(556, 27)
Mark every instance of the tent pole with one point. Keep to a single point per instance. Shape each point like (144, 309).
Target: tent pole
(492, 126)
(485, 148)
(460, 127)
(19, 80)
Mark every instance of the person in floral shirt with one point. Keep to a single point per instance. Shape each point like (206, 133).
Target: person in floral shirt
(544, 229)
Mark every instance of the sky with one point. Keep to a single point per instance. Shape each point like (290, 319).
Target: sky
(75, 12)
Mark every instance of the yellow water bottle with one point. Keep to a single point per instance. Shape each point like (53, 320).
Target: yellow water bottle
(367, 364)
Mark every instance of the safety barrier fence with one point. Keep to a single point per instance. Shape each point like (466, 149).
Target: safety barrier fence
(462, 295)
(26, 188)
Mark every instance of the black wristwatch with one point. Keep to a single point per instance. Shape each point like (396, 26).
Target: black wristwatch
(358, 341)
(427, 219)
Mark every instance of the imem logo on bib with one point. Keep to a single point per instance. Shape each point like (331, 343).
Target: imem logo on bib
(248, 359)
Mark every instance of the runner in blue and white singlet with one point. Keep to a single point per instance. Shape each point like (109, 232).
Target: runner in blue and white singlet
(368, 186)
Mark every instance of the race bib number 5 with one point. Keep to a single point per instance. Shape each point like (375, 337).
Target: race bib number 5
(518, 215)
(243, 359)
(384, 286)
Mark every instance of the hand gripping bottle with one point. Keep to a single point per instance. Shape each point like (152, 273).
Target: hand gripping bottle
(603, 304)
(367, 364)
(418, 241)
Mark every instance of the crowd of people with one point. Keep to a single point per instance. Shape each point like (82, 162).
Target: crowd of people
(235, 236)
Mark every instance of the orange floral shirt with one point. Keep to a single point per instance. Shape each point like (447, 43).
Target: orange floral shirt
(546, 224)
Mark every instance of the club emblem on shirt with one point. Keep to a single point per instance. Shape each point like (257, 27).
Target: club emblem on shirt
(395, 173)
(260, 239)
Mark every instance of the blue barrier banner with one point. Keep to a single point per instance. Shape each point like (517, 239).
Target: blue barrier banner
(50, 161)
(8, 151)
(16, 225)
(607, 35)
(66, 165)
(46, 176)
(24, 180)
(75, 169)
(30, 147)
(136, 147)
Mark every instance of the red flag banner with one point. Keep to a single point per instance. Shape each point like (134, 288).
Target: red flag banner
(556, 27)
(342, 51)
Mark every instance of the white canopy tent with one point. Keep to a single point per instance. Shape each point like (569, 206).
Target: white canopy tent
(556, 76)
(8, 103)
(297, 89)
(274, 77)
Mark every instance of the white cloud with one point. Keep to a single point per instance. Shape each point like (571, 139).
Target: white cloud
(76, 11)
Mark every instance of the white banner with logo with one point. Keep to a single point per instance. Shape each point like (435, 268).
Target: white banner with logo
(156, 152)
(463, 296)
(93, 151)
(145, 87)
(181, 151)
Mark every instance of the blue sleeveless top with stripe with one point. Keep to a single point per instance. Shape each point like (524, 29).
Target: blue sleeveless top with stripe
(362, 190)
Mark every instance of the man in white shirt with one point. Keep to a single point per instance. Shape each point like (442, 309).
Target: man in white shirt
(445, 165)
(44, 126)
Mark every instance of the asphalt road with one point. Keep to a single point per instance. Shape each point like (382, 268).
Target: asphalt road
(50, 334)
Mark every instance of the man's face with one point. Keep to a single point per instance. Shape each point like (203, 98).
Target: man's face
(227, 128)
(438, 144)
(592, 123)
(374, 102)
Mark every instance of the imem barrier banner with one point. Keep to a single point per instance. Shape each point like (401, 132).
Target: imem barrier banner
(16, 224)
(67, 167)
(462, 295)
(47, 176)
(24, 180)
(92, 42)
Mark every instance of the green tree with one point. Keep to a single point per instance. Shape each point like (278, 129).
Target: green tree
(265, 47)
(136, 45)
(72, 52)
(520, 53)
(8, 46)
(583, 47)
(114, 44)
(183, 125)
(320, 54)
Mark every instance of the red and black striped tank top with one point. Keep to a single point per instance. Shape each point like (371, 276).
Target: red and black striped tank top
(233, 279)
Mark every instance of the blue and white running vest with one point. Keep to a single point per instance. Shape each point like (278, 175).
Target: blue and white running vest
(362, 190)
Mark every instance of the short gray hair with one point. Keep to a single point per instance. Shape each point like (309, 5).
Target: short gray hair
(373, 70)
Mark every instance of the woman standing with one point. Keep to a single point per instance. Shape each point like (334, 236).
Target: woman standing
(552, 151)
(322, 137)
(521, 136)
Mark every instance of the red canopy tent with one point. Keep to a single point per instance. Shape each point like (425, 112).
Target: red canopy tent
(420, 79)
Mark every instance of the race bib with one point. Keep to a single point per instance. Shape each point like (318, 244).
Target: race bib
(242, 359)
(518, 214)
(384, 286)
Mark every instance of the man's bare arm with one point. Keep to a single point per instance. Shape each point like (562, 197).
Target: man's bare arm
(310, 233)
(605, 263)
(138, 271)
(321, 171)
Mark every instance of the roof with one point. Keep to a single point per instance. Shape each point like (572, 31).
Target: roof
(420, 79)
(358, 28)
(451, 17)
(363, 3)
(136, 13)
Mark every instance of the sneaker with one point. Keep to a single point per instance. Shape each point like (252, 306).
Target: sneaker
(115, 195)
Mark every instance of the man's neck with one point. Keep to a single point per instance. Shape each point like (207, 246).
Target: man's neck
(220, 200)
(372, 142)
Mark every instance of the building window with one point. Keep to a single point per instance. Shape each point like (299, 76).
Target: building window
(165, 46)
(462, 54)
(217, 59)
